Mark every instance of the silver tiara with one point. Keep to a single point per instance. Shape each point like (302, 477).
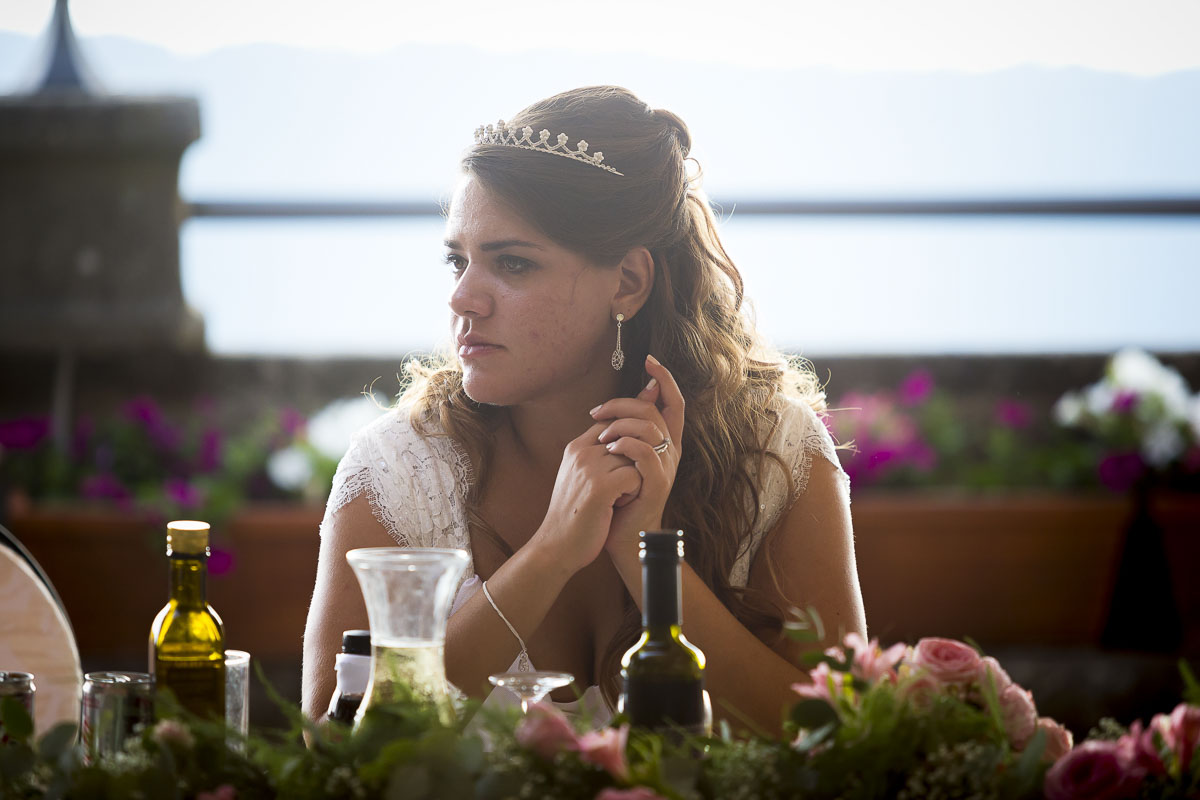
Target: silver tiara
(501, 134)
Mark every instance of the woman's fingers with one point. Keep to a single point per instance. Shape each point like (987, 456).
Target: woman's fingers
(643, 456)
(670, 400)
(642, 429)
(622, 408)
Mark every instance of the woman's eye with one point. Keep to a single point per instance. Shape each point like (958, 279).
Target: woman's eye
(513, 264)
(457, 263)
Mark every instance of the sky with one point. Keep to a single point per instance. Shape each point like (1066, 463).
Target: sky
(1139, 37)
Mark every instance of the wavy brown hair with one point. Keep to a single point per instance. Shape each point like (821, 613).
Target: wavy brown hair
(693, 322)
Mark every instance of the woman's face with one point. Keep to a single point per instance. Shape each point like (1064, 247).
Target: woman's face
(531, 318)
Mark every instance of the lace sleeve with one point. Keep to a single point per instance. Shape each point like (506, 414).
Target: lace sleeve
(415, 485)
(800, 437)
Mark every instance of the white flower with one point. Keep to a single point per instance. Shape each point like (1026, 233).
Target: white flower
(290, 469)
(330, 429)
(1134, 370)
(1175, 393)
(1098, 399)
(1068, 411)
(1162, 444)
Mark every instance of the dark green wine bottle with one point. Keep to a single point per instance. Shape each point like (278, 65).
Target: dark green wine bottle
(663, 675)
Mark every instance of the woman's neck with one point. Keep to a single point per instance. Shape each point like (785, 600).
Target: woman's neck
(541, 429)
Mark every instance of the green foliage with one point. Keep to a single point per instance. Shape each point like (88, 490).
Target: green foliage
(874, 741)
(1191, 687)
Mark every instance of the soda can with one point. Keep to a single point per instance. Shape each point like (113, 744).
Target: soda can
(18, 685)
(114, 708)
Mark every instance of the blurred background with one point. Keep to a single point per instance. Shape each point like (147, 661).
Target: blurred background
(220, 222)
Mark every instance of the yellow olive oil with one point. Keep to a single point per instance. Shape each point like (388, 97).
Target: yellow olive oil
(187, 639)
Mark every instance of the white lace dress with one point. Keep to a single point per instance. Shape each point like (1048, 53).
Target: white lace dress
(416, 487)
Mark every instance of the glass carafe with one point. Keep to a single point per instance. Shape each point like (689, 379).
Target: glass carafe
(408, 592)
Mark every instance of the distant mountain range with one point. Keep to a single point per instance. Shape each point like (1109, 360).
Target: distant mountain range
(288, 123)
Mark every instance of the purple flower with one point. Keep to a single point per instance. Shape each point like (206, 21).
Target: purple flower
(220, 562)
(144, 410)
(103, 486)
(921, 456)
(885, 437)
(182, 493)
(211, 449)
(292, 422)
(916, 388)
(1125, 401)
(147, 413)
(24, 433)
(1013, 414)
(1120, 471)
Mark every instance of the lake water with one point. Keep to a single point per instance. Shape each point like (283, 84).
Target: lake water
(821, 286)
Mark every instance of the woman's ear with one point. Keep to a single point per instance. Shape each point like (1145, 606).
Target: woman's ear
(637, 279)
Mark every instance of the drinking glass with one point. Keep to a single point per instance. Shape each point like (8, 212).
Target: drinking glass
(531, 687)
(113, 708)
(237, 691)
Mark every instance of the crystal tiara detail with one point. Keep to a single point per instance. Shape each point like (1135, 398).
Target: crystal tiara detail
(501, 134)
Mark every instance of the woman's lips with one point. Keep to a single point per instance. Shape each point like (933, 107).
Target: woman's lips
(477, 350)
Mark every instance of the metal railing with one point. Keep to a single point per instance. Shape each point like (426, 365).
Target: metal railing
(984, 206)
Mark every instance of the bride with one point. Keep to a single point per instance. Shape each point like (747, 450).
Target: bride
(605, 382)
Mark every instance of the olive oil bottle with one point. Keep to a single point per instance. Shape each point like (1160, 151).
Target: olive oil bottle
(663, 675)
(187, 639)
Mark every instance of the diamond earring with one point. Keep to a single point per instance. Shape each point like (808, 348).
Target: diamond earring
(618, 356)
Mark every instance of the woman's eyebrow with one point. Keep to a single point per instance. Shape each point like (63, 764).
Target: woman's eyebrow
(454, 244)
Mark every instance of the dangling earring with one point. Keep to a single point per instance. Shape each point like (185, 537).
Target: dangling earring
(618, 359)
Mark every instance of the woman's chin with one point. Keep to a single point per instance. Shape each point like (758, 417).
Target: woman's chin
(487, 392)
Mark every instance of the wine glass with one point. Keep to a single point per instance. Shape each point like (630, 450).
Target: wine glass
(531, 687)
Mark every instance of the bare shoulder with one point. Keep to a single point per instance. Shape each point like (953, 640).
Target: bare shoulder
(808, 556)
(337, 603)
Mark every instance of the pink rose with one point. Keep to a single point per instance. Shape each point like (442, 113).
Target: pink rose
(1092, 771)
(1183, 733)
(1138, 749)
(820, 688)
(991, 666)
(546, 731)
(948, 660)
(173, 733)
(1019, 715)
(223, 792)
(920, 689)
(872, 663)
(636, 793)
(606, 749)
(1059, 740)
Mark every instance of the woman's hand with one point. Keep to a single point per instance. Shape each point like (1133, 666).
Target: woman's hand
(635, 426)
(591, 481)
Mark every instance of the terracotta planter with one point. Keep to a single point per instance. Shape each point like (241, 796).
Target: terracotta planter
(111, 572)
(1008, 570)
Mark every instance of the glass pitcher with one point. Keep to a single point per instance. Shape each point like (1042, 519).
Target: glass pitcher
(408, 592)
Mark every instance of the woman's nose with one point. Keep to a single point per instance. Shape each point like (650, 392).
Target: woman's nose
(470, 297)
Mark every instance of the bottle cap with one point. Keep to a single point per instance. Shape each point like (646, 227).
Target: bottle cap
(187, 537)
(356, 643)
(660, 544)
